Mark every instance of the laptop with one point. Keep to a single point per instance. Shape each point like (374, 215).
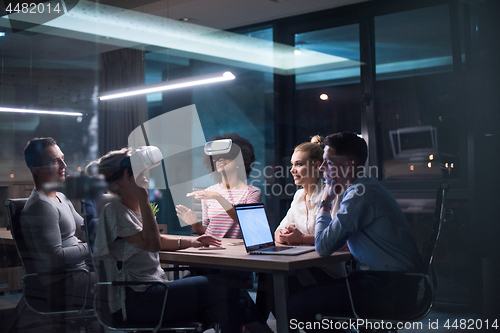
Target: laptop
(257, 234)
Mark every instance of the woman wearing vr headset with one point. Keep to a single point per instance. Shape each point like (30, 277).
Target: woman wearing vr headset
(128, 241)
(218, 215)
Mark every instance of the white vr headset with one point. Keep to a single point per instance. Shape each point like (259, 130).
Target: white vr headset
(145, 158)
(218, 147)
(149, 157)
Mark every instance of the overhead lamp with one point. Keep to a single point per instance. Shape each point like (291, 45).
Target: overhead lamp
(168, 85)
(85, 21)
(58, 113)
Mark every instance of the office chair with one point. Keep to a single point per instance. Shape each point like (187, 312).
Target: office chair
(426, 281)
(39, 299)
(91, 208)
(114, 321)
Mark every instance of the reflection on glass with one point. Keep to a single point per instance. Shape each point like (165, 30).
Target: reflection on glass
(339, 41)
(48, 73)
(327, 101)
(413, 42)
(416, 102)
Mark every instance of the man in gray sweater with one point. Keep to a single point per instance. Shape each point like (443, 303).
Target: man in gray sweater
(53, 229)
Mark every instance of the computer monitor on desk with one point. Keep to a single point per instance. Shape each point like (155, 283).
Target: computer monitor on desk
(414, 142)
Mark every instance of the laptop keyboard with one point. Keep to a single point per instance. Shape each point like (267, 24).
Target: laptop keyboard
(277, 248)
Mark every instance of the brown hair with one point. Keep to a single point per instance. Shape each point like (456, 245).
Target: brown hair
(113, 166)
(33, 152)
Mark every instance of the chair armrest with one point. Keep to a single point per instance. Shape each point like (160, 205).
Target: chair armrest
(429, 290)
(360, 273)
(133, 283)
(140, 283)
(66, 272)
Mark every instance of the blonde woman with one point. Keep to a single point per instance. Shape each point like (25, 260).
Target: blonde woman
(298, 225)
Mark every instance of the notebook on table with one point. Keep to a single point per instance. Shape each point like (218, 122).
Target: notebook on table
(257, 235)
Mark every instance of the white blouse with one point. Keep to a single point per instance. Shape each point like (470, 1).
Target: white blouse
(302, 218)
(305, 220)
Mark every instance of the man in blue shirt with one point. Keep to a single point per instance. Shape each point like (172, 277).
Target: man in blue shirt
(375, 229)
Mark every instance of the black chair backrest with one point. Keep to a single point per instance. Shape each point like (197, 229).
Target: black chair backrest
(439, 217)
(91, 210)
(37, 298)
(14, 208)
(101, 300)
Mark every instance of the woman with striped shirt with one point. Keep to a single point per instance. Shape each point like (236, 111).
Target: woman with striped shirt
(218, 200)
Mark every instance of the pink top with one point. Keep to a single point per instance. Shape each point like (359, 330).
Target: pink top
(215, 218)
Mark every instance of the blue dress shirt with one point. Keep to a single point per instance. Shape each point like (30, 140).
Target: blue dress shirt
(375, 228)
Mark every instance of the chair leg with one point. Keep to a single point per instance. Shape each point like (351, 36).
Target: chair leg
(17, 313)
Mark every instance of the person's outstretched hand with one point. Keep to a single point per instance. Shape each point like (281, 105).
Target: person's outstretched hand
(186, 214)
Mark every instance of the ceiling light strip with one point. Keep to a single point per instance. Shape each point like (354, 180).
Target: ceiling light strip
(168, 85)
(58, 113)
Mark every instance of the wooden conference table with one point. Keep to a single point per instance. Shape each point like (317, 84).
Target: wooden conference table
(236, 258)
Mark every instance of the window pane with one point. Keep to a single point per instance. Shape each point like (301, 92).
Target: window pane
(413, 42)
(330, 94)
(243, 106)
(342, 42)
(416, 99)
(41, 72)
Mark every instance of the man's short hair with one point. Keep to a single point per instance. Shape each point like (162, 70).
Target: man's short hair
(350, 145)
(33, 152)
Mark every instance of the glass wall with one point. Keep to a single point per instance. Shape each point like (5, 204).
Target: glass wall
(417, 99)
(41, 72)
(327, 99)
(244, 107)
(283, 93)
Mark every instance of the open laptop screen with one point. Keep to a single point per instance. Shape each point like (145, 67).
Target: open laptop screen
(254, 225)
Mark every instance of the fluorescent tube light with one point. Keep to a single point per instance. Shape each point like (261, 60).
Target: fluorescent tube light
(59, 113)
(89, 20)
(168, 85)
